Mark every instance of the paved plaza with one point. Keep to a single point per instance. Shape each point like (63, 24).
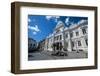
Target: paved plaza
(46, 55)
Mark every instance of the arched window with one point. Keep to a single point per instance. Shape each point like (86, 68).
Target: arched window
(77, 33)
(71, 34)
(66, 35)
(84, 31)
(79, 43)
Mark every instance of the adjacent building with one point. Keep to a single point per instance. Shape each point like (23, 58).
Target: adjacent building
(41, 45)
(32, 44)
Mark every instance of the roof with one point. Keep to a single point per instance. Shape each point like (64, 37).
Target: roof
(80, 23)
(60, 24)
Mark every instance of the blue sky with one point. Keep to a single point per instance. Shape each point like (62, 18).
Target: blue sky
(40, 26)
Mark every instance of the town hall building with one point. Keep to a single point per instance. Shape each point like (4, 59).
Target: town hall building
(73, 38)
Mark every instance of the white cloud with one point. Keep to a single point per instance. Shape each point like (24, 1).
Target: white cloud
(67, 20)
(34, 28)
(34, 32)
(48, 17)
(29, 20)
(55, 18)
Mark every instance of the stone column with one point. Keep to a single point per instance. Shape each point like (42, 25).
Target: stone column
(63, 38)
(70, 42)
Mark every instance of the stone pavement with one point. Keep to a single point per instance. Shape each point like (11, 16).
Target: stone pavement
(46, 55)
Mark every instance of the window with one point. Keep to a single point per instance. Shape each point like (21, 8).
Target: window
(30, 45)
(72, 44)
(57, 37)
(77, 33)
(57, 31)
(79, 43)
(86, 41)
(84, 31)
(34, 45)
(66, 35)
(71, 34)
(60, 37)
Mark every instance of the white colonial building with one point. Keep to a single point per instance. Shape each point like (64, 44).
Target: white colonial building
(73, 38)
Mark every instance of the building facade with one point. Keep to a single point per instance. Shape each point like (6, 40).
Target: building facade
(41, 45)
(32, 44)
(73, 38)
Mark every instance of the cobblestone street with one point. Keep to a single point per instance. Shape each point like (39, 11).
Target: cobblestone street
(46, 55)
